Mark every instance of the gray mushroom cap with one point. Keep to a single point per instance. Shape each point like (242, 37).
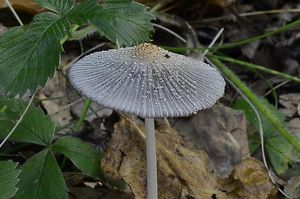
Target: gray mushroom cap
(147, 81)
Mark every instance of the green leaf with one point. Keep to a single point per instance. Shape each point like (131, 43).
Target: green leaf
(29, 56)
(280, 152)
(83, 12)
(8, 179)
(125, 22)
(58, 6)
(35, 127)
(83, 155)
(41, 178)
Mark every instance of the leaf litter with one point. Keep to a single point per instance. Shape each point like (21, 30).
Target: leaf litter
(183, 171)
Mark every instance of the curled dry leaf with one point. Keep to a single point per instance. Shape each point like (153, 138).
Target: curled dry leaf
(182, 172)
(221, 132)
(29, 6)
(254, 180)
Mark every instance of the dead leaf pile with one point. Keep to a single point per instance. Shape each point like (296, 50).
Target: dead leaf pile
(183, 172)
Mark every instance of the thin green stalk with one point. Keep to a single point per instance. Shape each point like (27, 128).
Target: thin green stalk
(255, 101)
(257, 67)
(237, 43)
(258, 37)
(83, 113)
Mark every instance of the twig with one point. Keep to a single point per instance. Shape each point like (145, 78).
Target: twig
(247, 14)
(213, 41)
(19, 121)
(170, 31)
(14, 12)
(85, 53)
(276, 87)
(67, 106)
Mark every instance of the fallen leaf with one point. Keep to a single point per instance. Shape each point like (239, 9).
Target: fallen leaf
(293, 187)
(221, 132)
(290, 102)
(29, 6)
(281, 153)
(182, 172)
(254, 180)
(294, 126)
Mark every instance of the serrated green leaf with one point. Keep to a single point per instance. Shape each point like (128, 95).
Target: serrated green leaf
(279, 151)
(125, 22)
(29, 56)
(84, 11)
(58, 6)
(41, 178)
(35, 127)
(8, 179)
(83, 155)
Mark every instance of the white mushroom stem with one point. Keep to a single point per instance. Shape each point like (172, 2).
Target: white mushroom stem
(151, 159)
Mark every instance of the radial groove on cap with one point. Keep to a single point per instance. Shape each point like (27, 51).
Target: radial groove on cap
(147, 81)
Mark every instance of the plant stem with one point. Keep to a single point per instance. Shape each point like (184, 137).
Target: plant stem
(258, 37)
(151, 159)
(14, 12)
(241, 42)
(82, 33)
(257, 67)
(256, 102)
(83, 113)
(19, 120)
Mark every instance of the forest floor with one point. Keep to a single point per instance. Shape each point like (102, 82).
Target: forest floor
(215, 153)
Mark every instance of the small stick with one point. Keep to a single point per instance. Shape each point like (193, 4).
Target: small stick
(19, 121)
(14, 12)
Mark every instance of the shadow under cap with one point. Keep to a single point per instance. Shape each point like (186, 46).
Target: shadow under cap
(147, 81)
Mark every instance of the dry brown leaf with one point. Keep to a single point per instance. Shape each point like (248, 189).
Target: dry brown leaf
(254, 180)
(221, 132)
(28, 6)
(182, 172)
(291, 103)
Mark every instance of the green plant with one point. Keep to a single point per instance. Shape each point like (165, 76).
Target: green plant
(29, 55)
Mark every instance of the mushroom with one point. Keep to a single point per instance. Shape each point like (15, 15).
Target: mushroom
(149, 82)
